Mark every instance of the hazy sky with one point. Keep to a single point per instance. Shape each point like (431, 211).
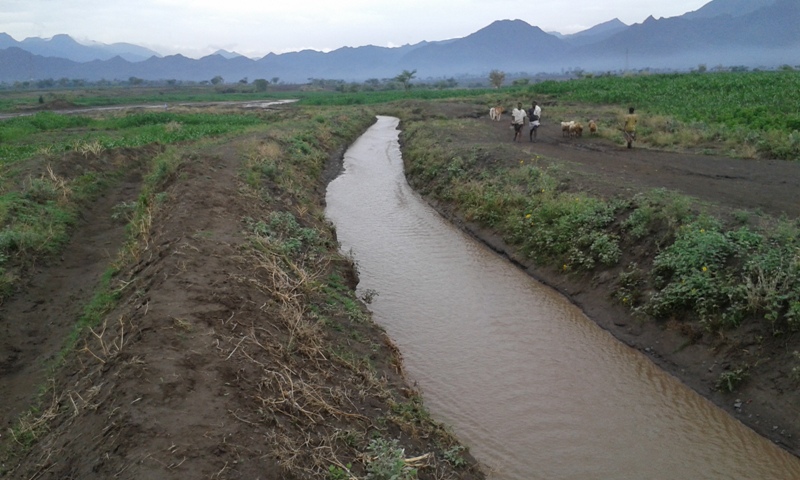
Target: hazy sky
(257, 27)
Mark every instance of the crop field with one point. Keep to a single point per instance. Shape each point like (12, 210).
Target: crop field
(756, 107)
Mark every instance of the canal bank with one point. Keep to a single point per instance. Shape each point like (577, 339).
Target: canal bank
(528, 381)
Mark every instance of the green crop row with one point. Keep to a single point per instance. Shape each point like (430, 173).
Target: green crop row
(50, 133)
(757, 100)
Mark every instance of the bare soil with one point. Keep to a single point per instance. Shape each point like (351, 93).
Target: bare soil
(769, 401)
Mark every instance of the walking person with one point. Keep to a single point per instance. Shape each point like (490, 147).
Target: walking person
(518, 120)
(629, 130)
(534, 116)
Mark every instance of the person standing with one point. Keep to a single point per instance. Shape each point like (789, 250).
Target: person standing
(629, 130)
(518, 120)
(534, 116)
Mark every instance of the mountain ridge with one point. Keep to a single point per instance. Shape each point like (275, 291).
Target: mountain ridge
(763, 34)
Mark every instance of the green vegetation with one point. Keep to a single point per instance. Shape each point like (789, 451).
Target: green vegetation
(89, 96)
(719, 271)
(51, 134)
(756, 100)
(388, 461)
(758, 109)
(378, 97)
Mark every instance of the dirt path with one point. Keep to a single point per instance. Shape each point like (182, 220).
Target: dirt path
(604, 168)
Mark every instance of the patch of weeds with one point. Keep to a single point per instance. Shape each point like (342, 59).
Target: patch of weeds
(730, 380)
(282, 231)
(261, 161)
(629, 286)
(693, 273)
(88, 149)
(104, 299)
(123, 211)
(412, 411)
(639, 222)
(568, 229)
(453, 456)
(339, 473)
(163, 167)
(741, 216)
(387, 461)
(794, 373)
(369, 295)
(203, 234)
(354, 310)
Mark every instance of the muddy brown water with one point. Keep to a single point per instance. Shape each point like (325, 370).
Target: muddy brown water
(522, 376)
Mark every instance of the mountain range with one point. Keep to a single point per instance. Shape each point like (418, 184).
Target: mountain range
(747, 33)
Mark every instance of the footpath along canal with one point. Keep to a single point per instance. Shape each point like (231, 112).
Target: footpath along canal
(523, 377)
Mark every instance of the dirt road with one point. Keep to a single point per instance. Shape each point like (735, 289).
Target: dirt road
(604, 168)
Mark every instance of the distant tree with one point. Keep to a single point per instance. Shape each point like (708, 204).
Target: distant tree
(275, 80)
(135, 81)
(348, 87)
(371, 84)
(443, 84)
(496, 78)
(520, 82)
(702, 68)
(405, 78)
(243, 81)
(260, 84)
(172, 82)
(217, 80)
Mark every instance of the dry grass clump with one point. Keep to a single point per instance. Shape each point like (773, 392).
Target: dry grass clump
(88, 149)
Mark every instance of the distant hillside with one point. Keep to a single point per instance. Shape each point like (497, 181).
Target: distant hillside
(64, 46)
(227, 54)
(734, 8)
(759, 33)
(595, 34)
(766, 37)
(509, 45)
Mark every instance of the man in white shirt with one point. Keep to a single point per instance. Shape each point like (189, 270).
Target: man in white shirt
(534, 114)
(518, 120)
